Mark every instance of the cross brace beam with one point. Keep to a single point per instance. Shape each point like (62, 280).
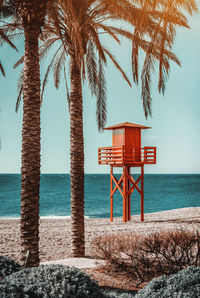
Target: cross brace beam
(126, 185)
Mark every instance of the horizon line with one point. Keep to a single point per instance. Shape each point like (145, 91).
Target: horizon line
(107, 173)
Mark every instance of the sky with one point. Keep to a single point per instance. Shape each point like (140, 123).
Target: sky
(175, 122)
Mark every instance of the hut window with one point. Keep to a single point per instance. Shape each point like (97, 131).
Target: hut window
(118, 131)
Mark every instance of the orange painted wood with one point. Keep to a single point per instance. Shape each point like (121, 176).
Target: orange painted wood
(129, 195)
(111, 195)
(142, 193)
(118, 184)
(118, 138)
(126, 155)
(125, 188)
(126, 152)
(135, 184)
(124, 195)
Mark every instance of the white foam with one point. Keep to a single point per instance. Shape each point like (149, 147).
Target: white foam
(44, 217)
(58, 217)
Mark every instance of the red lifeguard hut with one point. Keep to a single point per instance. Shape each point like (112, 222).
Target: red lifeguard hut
(126, 152)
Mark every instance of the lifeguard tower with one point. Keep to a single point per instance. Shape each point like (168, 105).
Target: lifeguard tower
(126, 152)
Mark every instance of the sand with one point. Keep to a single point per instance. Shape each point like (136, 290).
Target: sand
(55, 233)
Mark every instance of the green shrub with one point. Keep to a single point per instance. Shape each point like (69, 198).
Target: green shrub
(49, 281)
(184, 284)
(8, 266)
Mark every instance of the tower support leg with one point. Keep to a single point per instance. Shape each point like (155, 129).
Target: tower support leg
(129, 195)
(125, 205)
(142, 193)
(111, 195)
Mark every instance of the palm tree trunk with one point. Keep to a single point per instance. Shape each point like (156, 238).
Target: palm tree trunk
(77, 161)
(30, 170)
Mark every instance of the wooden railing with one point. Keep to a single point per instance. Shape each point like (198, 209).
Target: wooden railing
(126, 155)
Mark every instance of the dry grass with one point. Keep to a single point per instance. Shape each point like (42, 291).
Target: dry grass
(141, 258)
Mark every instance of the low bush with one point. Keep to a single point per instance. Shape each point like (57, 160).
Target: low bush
(8, 266)
(145, 257)
(184, 284)
(49, 281)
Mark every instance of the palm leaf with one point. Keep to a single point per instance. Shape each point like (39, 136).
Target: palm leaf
(66, 85)
(58, 67)
(47, 74)
(20, 90)
(147, 70)
(117, 66)
(7, 40)
(2, 69)
(91, 68)
(101, 109)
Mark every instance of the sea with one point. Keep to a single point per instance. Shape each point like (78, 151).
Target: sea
(161, 192)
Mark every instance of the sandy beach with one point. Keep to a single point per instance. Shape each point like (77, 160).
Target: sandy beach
(55, 233)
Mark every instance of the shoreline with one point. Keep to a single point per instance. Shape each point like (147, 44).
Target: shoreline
(55, 233)
(89, 217)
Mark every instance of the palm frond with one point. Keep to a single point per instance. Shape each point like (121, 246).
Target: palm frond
(134, 56)
(2, 69)
(60, 60)
(46, 46)
(19, 89)
(47, 74)
(97, 43)
(101, 109)
(20, 61)
(109, 31)
(117, 66)
(188, 5)
(67, 88)
(147, 70)
(91, 68)
(7, 40)
(120, 31)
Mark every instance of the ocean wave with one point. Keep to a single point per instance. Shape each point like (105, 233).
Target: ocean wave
(58, 217)
(43, 217)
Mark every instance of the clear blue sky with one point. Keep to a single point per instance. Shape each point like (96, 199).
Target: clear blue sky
(175, 122)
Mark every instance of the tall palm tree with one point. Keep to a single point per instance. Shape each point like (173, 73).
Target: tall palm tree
(30, 15)
(79, 45)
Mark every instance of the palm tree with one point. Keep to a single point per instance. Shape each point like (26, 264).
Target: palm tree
(79, 45)
(30, 15)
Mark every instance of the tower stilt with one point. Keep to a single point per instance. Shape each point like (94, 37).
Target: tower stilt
(126, 185)
(111, 193)
(142, 193)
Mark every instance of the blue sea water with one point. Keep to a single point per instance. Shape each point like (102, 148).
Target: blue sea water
(161, 192)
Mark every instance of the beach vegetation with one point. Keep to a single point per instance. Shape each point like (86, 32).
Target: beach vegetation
(49, 281)
(8, 266)
(184, 284)
(55, 281)
(142, 258)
